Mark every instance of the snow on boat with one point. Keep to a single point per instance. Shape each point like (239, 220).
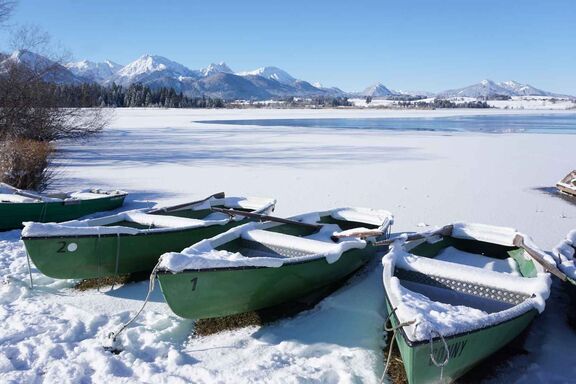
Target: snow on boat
(18, 206)
(564, 254)
(259, 265)
(132, 241)
(568, 184)
(457, 295)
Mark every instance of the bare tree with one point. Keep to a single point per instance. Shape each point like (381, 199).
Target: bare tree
(32, 113)
(30, 108)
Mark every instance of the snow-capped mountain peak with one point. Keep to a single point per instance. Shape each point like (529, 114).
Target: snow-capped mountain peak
(273, 73)
(30, 59)
(94, 71)
(49, 70)
(216, 68)
(152, 63)
(377, 90)
(523, 89)
(484, 88)
(147, 67)
(488, 88)
(487, 82)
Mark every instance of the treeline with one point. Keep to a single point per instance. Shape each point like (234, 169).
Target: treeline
(135, 95)
(443, 103)
(318, 101)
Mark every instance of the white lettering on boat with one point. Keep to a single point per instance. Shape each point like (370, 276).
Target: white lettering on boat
(455, 351)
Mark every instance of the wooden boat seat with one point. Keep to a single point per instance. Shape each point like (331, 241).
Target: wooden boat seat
(277, 244)
(454, 255)
(161, 221)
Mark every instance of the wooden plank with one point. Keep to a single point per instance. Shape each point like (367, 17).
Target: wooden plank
(219, 195)
(259, 217)
(444, 231)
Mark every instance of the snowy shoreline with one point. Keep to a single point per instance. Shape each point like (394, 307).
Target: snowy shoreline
(271, 113)
(55, 334)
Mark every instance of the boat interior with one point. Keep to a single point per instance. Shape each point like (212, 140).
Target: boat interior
(189, 211)
(488, 258)
(283, 244)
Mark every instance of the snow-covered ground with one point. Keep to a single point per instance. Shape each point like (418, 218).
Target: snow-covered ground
(53, 334)
(516, 102)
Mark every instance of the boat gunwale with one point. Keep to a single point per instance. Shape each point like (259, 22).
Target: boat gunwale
(244, 267)
(412, 343)
(115, 235)
(416, 343)
(70, 201)
(143, 232)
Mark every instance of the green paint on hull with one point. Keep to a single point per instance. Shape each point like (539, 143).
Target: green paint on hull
(198, 294)
(13, 214)
(111, 255)
(466, 350)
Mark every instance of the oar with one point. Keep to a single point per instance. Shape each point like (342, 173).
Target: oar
(519, 242)
(444, 231)
(22, 193)
(260, 217)
(219, 195)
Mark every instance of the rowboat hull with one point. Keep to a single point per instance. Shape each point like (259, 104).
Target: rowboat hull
(84, 257)
(568, 184)
(566, 190)
(198, 294)
(465, 350)
(13, 214)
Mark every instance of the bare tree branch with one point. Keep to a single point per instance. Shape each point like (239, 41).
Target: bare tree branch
(33, 113)
(30, 37)
(6, 8)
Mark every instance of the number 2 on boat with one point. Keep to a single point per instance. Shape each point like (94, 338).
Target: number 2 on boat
(62, 248)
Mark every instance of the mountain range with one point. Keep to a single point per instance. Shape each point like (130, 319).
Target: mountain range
(219, 80)
(488, 88)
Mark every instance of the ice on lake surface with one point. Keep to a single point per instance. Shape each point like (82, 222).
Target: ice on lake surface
(54, 334)
(565, 123)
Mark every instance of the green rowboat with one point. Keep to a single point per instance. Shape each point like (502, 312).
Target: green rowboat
(457, 295)
(259, 265)
(18, 206)
(132, 241)
(564, 255)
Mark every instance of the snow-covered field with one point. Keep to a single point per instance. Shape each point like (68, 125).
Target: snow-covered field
(516, 102)
(54, 334)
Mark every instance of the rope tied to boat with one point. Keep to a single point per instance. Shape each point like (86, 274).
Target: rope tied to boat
(391, 343)
(99, 255)
(112, 336)
(433, 358)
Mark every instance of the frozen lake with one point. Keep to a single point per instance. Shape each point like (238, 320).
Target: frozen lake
(546, 123)
(55, 333)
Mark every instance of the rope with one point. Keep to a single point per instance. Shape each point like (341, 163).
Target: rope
(393, 330)
(114, 335)
(99, 267)
(43, 212)
(117, 257)
(446, 359)
(29, 270)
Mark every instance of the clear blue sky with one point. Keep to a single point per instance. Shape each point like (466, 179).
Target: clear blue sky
(414, 45)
